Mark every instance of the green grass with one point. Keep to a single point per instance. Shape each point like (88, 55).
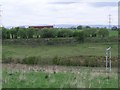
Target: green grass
(113, 33)
(0, 51)
(86, 78)
(0, 65)
(95, 49)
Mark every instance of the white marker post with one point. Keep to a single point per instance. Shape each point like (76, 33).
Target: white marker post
(108, 56)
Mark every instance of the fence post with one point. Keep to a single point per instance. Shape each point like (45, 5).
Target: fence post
(108, 56)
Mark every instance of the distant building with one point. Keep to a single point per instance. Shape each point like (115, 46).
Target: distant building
(41, 26)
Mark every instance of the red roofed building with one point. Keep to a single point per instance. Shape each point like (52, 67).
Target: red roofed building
(42, 26)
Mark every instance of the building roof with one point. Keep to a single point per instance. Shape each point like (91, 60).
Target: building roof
(50, 26)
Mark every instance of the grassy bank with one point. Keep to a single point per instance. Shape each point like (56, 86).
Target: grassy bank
(22, 76)
(71, 75)
(95, 49)
(85, 54)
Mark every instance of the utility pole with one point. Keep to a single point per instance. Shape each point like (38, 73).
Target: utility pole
(110, 20)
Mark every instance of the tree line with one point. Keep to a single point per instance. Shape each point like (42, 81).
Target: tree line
(27, 33)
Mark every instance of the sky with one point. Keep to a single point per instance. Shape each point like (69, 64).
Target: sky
(51, 12)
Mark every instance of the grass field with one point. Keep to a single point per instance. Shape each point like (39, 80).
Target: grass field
(113, 33)
(0, 65)
(36, 76)
(22, 76)
(95, 49)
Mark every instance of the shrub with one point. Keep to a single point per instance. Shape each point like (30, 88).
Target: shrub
(91, 61)
(37, 32)
(87, 27)
(76, 33)
(81, 36)
(22, 33)
(79, 27)
(14, 32)
(56, 60)
(4, 33)
(114, 28)
(30, 60)
(7, 59)
(8, 34)
(48, 33)
(65, 33)
(90, 32)
(103, 32)
(30, 32)
(10, 60)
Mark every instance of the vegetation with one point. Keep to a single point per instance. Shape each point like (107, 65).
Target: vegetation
(65, 33)
(34, 49)
(27, 33)
(103, 33)
(87, 49)
(22, 76)
(113, 33)
(114, 28)
(79, 27)
(48, 33)
(87, 54)
(88, 61)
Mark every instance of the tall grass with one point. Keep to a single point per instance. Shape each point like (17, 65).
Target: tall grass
(82, 78)
(87, 49)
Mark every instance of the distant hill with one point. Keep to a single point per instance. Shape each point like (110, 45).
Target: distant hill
(66, 25)
(70, 25)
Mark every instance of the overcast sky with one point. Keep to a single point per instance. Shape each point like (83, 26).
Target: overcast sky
(36, 12)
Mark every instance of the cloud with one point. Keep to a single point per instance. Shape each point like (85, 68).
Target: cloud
(35, 12)
(63, 2)
(104, 4)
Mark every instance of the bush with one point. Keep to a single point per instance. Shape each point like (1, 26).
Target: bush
(4, 33)
(8, 34)
(7, 60)
(114, 28)
(14, 32)
(81, 36)
(48, 33)
(76, 33)
(30, 60)
(90, 32)
(89, 61)
(30, 32)
(37, 32)
(103, 32)
(65, 33)
(92, 62)
(10, 60)
(87, 27)
(56, 60)
(22, 33)
(79, 27)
